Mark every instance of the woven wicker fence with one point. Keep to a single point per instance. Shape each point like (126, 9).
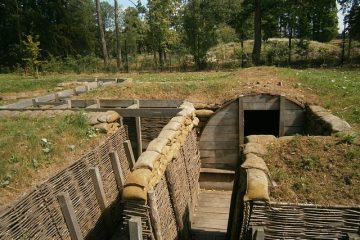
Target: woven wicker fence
(167, 214)
(39, 216)
(290, 221)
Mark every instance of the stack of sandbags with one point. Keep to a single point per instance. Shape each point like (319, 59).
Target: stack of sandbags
(257, 173)
(151, 165)
(106, 122)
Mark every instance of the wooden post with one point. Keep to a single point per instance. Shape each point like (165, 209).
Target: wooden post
(258, 233)
(138, 131)
(99, 187)
(98, 103)
(135, 228)
(35, 102)
(241, 122)
(119, 175)
(69, 104)
(129, 153)
(68, 212)
(282, 116)
(56, 96)
(154, 214)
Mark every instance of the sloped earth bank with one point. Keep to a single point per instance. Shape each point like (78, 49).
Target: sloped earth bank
(317, 170)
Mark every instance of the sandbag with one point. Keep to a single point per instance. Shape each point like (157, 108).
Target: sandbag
(262, 139)
(139, 177)
(175, 126)
(253, 161)
(204, 113)
(112, 116)
(147, 160)
(257, 186)
(157, 145)
(134, 193)
(168, 134)
(255, 148)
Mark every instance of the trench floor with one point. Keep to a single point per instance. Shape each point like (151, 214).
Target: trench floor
(211, 215)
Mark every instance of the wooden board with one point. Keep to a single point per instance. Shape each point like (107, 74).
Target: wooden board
(261, 106)
(293, 130)
(294, 118)
(213, 145)
(211, 215)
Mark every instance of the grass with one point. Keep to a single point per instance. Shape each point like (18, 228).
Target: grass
(337, 89)
(33, 148)
(320, 170)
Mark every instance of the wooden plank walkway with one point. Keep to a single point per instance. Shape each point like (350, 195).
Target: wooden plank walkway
(211, 215)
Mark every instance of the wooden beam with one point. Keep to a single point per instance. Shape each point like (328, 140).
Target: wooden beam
(154, 214)
(241, 122)
(98, 187)
(135, 228)
(138, 131)
(129, 153)
(282, 116)
(68, 212)
(119, 175)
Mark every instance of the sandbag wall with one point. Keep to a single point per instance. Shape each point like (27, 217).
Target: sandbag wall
(39, 216)
(251, 184)
(163, 187)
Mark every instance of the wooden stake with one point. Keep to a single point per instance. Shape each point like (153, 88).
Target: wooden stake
(282, 116)
(135, 228)
(68, 212)
(241, 122)
(99, 187)
(119, 175)
(129, 153)
(138, 131)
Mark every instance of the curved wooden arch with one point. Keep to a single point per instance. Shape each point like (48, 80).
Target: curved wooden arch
(223, 134)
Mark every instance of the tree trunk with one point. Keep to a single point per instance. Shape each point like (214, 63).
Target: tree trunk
(102, 34)
(18, 26)
(343, 47)
(290, 45)
(349, 48)
(257, 33)
(118, 48)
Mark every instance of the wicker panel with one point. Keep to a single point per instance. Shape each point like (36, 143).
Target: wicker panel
(151, 128)
(179, 191)
(38, 216)
(289, 221)
(168, 226)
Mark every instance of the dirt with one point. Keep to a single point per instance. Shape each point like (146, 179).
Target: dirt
(317, 170)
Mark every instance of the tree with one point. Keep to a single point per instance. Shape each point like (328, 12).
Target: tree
(200, 29)
(102, 34)
(32, 53)
(118, 48)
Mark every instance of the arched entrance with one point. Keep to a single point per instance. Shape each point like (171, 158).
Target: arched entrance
(262, 114)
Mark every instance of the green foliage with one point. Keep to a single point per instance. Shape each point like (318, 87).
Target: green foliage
(199, 26)
(347, 138)
(310, 162)
(32, 53)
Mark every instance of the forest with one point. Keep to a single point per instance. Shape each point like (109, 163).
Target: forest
(88, 35)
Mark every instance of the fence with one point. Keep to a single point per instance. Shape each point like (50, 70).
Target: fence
(92, 184)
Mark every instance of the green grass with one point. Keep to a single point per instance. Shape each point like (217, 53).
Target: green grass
(29, 144)
(338, 89)
(15, 83)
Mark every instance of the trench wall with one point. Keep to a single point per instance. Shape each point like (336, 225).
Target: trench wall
(38, 215)
(163, 188)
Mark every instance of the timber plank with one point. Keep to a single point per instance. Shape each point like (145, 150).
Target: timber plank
(261, 98)
(293, 130)
(295, 117)
(220, 129)
(226, 145)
